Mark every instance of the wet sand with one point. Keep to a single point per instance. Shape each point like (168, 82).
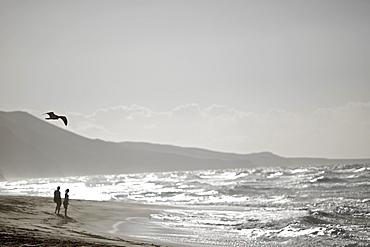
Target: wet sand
(30, 221)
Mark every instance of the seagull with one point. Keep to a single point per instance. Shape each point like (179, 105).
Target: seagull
(56, 117)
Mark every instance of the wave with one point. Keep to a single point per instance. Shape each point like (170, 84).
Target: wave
(324, 179)
(338, 222)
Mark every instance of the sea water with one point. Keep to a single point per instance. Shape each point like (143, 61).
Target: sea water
(307, 206)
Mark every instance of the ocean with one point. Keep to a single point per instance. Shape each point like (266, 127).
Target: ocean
(307, 206)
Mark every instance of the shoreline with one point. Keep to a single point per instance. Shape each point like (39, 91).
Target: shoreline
(29, 220)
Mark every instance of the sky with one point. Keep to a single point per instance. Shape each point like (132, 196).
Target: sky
(289, 77)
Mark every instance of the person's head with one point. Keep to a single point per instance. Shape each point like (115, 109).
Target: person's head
(58, 188)
(67, 190)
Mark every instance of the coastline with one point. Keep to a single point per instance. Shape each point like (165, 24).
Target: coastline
(28, 220)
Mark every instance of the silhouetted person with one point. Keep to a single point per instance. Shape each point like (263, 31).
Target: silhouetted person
(66, 202)
(57, 200)
(53, 116)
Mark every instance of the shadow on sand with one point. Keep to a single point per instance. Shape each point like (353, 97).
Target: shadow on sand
(65, 217)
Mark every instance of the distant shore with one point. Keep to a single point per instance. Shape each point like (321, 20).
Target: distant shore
(26, 220)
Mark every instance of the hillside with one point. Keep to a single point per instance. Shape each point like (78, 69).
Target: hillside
(30, 147)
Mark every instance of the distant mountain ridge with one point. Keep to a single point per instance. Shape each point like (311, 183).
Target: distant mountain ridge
(30, 147)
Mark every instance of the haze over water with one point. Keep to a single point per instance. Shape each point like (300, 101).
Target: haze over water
(316, 205)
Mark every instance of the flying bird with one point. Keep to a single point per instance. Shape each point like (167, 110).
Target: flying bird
(53, 116)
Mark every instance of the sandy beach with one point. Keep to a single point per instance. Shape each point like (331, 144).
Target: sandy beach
(30, 221)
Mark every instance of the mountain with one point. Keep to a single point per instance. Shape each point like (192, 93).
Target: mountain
(31, 147)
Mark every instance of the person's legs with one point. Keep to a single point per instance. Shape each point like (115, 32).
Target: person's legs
(58, 207)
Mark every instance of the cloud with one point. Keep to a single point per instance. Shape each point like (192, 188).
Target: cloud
(341, 132)
(344, 130)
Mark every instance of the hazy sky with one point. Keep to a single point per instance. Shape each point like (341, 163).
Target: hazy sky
(290, 77)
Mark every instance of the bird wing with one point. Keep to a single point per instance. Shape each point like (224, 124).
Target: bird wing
(52, 115)
(64, 118)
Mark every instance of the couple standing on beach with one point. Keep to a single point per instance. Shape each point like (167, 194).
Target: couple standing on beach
(58, 200)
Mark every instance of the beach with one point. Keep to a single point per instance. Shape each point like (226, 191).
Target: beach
(308, 206)
(30, 221)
